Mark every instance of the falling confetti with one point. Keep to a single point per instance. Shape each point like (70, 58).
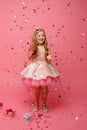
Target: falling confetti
(83, 34)
(55, 89)
(27, 43)
(12, 48)
(81, 46)
(74, 57)
(69, 4)
(20, 40)
(53, 25)
(23, 3)
(76, 118)
(27, 117)
(10, 113)
(68, 88)
(26, 20)
(14, 16)
(71, 52)
(1, 104)
(83, 19)
(59, 96)
(81, 59)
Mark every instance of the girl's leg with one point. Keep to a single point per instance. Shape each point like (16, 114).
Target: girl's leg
(44, 98)
(37, 95)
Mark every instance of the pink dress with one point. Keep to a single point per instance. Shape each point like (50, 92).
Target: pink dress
(39, 72)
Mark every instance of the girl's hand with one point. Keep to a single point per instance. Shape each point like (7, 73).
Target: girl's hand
(49, 57)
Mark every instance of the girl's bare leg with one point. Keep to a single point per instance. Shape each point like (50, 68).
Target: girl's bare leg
(37, 95)
(44, 98)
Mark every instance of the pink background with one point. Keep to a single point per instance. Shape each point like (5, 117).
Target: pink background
(65, 23)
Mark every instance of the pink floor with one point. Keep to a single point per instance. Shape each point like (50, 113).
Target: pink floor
(67, 108)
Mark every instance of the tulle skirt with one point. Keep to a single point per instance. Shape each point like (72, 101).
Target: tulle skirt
(40, 74)
(49, 81)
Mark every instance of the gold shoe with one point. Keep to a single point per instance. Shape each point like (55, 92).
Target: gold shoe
(36, 107)
(45, 109)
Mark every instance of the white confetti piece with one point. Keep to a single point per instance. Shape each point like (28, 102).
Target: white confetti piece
(83, 34)
(76, 118)
(74, 57)
(20, 40)
(14, 16)
(23, 3)
(26, 20)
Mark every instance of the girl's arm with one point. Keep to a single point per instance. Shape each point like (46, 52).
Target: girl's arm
(49, 57)
(29, 53)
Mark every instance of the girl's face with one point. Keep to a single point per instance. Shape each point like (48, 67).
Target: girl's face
(40, 37)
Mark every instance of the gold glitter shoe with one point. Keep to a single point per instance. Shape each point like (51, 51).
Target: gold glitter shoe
(36, 107)
(45, 109)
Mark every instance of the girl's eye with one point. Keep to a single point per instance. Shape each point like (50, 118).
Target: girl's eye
(41, 35)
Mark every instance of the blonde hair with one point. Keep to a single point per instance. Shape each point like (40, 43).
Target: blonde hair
(33, 47)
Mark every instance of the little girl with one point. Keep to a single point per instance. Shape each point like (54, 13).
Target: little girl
(40, 72)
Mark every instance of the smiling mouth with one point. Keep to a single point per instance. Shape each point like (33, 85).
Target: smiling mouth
(41, 40)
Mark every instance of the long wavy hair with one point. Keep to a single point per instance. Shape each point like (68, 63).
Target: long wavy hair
(33, 50)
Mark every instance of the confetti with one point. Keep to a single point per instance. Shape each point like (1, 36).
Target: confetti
(83, 34)
(1, 104)
(27, 117)
(81, 46)
(48, 8)
(53, 25)
(71, 52)
(12, 48)
(69, 4)
(10, 113)
(20, 40)
(74, 57)
(23, 3)
(83, 19)
(81, 59)
(14, 16)
(68, 87)
(55, 89)
(27, 42)
(59, 96)
(26, 20)
(76, 118)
